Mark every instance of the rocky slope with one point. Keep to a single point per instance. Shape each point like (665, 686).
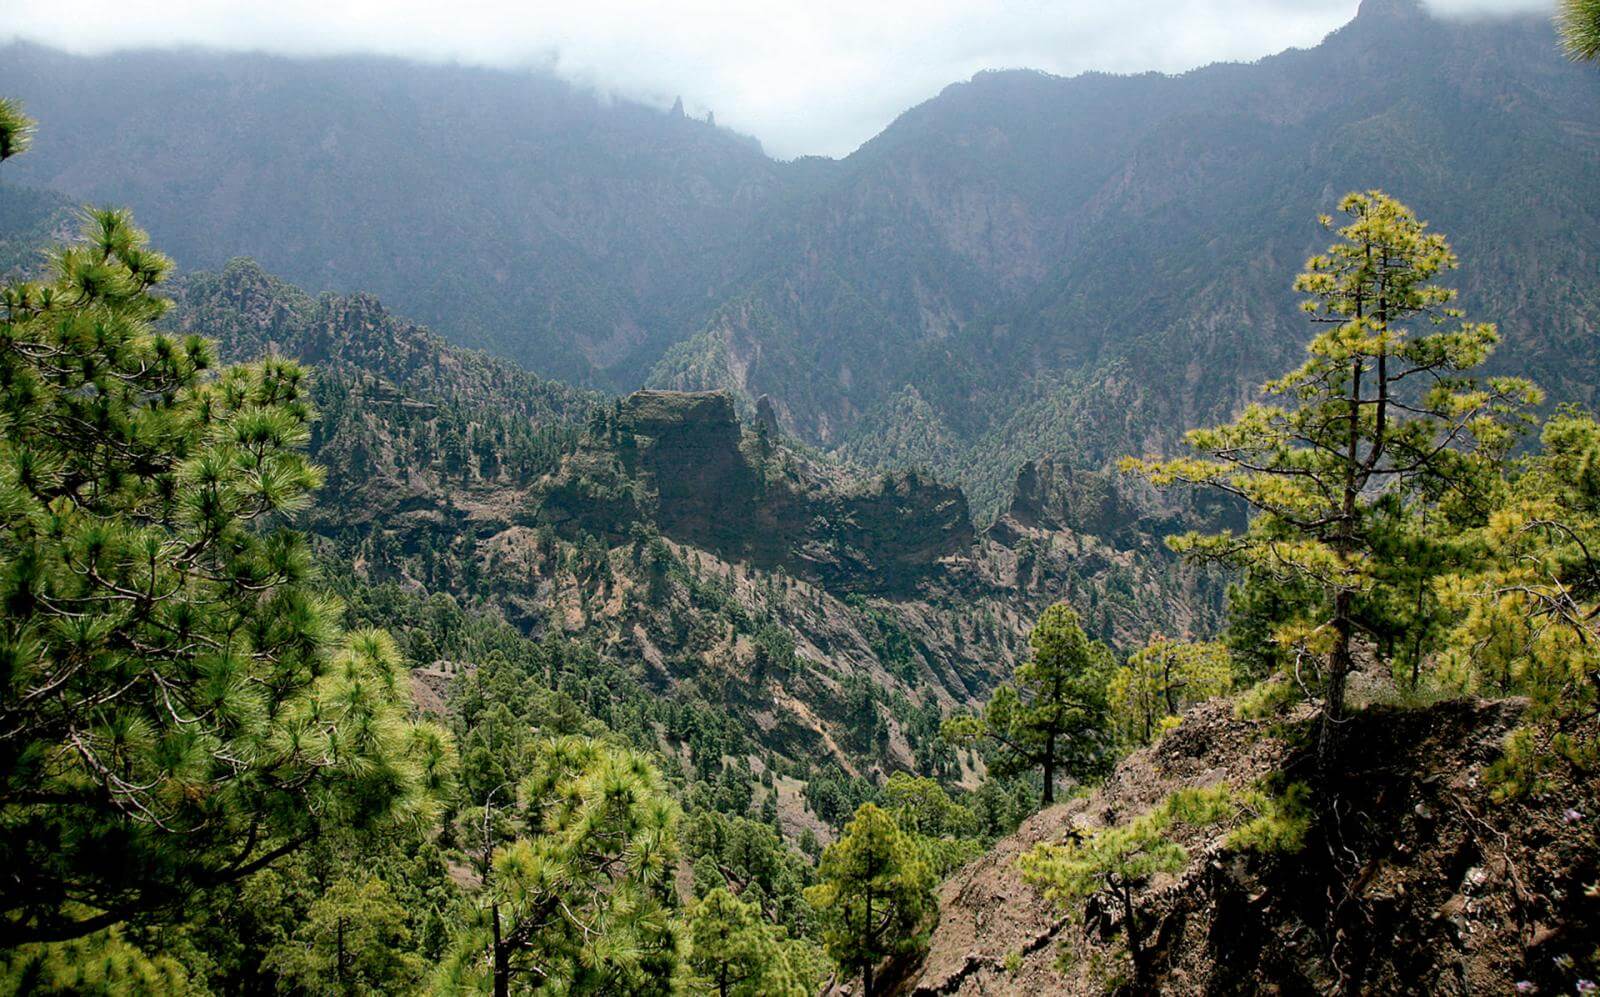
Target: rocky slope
(1417, 881)
(835, 613)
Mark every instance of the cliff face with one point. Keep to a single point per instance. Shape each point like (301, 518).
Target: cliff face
(1052, 496)
(683, 461)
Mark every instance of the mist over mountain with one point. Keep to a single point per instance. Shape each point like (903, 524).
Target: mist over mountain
(949, 290)
(510, 211)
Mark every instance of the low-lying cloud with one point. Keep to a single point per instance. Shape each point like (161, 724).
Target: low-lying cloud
(818, 77)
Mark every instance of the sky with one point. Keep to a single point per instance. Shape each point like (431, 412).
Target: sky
(805, 77)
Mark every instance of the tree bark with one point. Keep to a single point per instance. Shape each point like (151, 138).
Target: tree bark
(866, 970)
(1050, 769)
(1130, 928)
(339, 958)
(502, 959)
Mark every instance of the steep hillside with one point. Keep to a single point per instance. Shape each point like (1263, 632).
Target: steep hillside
(1418, 882)
(832, 616)
(509, 210)
(31, 219)
(1086, 266)
(1023, 266)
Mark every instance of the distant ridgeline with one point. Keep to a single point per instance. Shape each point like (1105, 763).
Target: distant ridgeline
(1023, 266)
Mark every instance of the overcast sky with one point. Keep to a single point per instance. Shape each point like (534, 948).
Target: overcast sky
(803, 76)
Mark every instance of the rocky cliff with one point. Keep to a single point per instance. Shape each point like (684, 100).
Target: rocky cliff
(683, 461)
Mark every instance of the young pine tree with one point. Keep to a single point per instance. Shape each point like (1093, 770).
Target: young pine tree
(1526, 610)
(1366, 449)
(736, 952)
(354, 940)
(1161, 680)
(178, 707)
(1052, 717)
(576, 900)
(1120, 861)
(873, 893)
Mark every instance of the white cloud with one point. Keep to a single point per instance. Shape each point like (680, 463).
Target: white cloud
(819, 76)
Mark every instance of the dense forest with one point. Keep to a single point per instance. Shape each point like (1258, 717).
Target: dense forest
(337, 657)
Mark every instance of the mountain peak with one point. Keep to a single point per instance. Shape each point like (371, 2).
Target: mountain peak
(1375, 9)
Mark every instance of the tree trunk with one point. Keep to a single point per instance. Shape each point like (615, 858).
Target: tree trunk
(1342, 659)
(1136, 954)
(1050, 769)
(1344, 543)
(339, 958)
(502, 960)
(866, 970)
(1167, 685)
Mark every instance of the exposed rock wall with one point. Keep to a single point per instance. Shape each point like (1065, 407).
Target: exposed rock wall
(683, 461)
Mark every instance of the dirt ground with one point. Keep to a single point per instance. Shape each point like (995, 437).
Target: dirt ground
(1413, 882)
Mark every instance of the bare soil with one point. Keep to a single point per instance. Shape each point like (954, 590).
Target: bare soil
(1411, 880)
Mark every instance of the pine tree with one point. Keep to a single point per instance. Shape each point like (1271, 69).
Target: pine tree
(1162, 679)
(1052, 717)
(354, 940)
(1121, 861)
(735, 952)
(944, 831)
(576, 900)
(1579, 21)
(178, 707)
(873, 892)
(1526, 608)
(16, 129)
(1378, 429)
(100, 963)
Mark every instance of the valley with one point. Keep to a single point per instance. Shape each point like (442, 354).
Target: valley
(462, 531)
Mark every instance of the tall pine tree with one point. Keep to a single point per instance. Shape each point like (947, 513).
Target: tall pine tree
(873, 892)
(1378, 430)
(1052, 717)
(178, 707)
(577, 901)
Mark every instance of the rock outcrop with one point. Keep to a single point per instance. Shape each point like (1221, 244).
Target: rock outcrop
(1415, 881)
(682, 461)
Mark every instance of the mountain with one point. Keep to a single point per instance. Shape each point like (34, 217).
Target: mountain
(1084, 267)
(31, 219)
(510, 210)
(824, 619)
(1024, 266)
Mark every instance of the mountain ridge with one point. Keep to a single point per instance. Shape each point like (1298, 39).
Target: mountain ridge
(1023, 266)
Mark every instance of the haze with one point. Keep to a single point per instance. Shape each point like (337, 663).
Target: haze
(815, 78)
